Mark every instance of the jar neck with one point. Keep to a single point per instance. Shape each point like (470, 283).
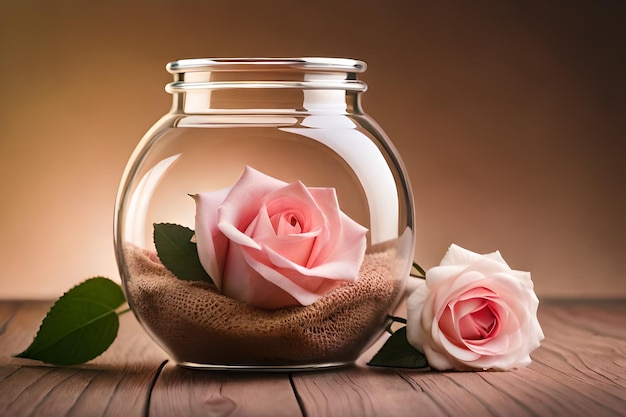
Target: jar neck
(265, 86)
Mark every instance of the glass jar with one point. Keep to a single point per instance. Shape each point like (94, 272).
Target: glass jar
(265, 222)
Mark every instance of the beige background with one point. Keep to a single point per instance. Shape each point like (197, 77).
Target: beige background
(510, 116)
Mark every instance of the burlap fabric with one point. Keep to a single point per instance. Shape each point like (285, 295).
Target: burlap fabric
(195, 323)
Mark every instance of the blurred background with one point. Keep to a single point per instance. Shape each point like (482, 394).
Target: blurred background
(510, 117)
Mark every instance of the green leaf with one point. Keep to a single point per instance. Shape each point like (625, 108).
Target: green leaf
(178, 253)
(398, 353)
(80, 325)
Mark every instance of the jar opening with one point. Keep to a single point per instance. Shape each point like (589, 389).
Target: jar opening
(208, 85)
(266, 73)
(248, 64)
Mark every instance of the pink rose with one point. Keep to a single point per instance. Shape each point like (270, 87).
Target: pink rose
(474, 312)
(273, 244)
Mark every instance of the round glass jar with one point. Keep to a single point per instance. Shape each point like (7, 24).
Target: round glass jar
(265, 222)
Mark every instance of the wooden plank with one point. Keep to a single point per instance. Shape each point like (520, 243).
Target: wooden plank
(23, 391)
(117, 383)
(472, 387)
(186, 392)
(368, 391)
(578, 371)
(361, 392)
(543, 393)
(465, 394)
(587, 341)
(50, 391)
(17, 321)
(8, 309)
(116, 392)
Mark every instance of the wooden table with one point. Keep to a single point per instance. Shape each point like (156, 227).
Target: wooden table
(580, 370)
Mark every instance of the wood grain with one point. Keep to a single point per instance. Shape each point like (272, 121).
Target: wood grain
(580, 370)
(114, 384)
(187, 392)
(361, 392)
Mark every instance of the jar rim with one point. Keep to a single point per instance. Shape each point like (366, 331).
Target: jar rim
(234, 64)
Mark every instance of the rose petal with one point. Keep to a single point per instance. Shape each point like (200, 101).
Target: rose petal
(343, 263)
(460, 353)
(480, 324)
(288, 223)
(295, 250)
(247, 285)
(211, 244)
(497, 256)
(439, 275)
(251, 187)
(523, 277)
(487, 321)
(415, 307)
(236, 235)
(295, 247)
(345, 270)
(444, 294)
(437, 360)
(457, 255)
(237, 285)
(300, 293)
(296, 199)
(337, 226)
(478, 292)
(448, 327)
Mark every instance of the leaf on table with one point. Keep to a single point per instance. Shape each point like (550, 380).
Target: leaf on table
(178, 253)
(80, 326)
(398, 353)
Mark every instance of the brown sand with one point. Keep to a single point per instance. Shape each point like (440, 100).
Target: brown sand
(194, 323)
